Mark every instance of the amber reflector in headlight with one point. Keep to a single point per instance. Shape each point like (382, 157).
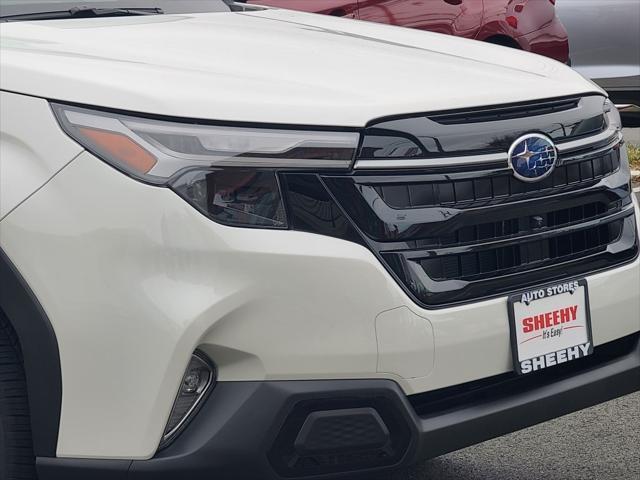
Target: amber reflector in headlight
(228, 173)
(198, 380)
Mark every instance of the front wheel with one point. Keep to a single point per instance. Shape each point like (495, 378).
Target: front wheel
(17, 461)
(504, 41)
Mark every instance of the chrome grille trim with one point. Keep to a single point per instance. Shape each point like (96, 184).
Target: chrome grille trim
(565, 148)
(430, 162)
(613, 133)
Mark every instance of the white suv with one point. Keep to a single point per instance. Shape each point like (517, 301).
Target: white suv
(260, 244)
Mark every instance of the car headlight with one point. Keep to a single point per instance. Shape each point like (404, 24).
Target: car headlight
(613, 115)
(614, 122)
(228, 173)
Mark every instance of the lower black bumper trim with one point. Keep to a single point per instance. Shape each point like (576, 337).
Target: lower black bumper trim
(477, 423)
(236, 433)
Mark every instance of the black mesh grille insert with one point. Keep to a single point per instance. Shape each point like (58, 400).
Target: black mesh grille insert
(349, 445)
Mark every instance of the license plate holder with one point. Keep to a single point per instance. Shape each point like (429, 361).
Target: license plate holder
(550, 325)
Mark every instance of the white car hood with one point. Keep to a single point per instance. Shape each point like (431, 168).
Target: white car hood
(273, 66)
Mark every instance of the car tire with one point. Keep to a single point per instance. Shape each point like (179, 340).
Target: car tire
(17, 460)
(504, 41)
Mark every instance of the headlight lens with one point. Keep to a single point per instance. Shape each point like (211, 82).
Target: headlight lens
(613, 115)
(228, 173)
(236, 197)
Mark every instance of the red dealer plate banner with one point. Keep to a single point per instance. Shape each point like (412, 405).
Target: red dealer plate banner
(550, 326)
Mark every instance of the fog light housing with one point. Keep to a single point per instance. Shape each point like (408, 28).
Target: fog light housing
(198, 380)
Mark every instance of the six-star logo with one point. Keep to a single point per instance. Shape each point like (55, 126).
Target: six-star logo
(532, 157)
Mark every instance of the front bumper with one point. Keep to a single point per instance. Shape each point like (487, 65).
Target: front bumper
(158, 280)
(247, 430)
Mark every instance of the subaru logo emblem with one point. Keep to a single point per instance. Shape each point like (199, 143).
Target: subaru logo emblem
(532, 157)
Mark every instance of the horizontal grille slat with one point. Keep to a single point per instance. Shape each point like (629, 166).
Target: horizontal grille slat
(468, 191)
(513, 226)
(528, 254)
(506, 113)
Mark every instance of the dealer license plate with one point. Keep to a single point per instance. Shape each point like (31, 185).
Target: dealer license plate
(550, 326)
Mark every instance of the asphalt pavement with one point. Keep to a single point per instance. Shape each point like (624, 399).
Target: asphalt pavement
(599, 443)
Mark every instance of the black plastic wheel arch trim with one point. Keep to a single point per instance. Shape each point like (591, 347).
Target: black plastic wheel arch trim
(40, 353)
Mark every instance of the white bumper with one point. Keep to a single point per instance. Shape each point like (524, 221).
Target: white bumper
(134, 279)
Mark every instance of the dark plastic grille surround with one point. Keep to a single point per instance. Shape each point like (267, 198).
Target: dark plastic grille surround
(483, 130)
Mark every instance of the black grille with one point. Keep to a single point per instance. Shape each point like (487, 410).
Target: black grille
(447, 252)
(469, 189)
(377, 436)
(451, 235)
(520, 225)
(342, 431)
(528, 254)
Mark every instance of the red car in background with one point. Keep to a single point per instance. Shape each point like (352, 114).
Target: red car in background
(530, 25)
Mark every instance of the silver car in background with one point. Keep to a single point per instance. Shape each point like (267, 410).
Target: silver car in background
(604, 44)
